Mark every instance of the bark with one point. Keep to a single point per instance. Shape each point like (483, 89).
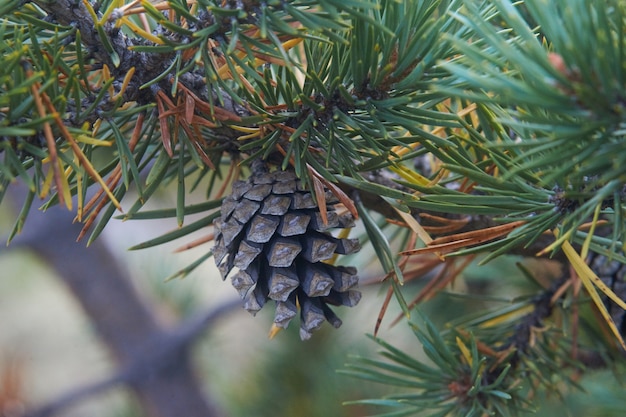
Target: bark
(154, 360)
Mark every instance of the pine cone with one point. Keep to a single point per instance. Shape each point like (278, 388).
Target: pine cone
(272, 232)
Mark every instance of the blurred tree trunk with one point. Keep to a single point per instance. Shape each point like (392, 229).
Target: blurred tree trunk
(159, 374)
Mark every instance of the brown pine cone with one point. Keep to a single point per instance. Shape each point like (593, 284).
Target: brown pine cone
(271, 232)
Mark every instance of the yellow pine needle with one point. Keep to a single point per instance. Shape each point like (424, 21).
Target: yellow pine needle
(343, 234)
(410, 175)
(55, 167)
(91, 11)
(593, 278)
(250, 136)
(90, 140)
(125, 83)
(274, 330)
(80, 197)
(251, 132)
(244, 129)
(585, 249)
(415, 226)
(79, 192)
(106, 76)
(133, 8)
(140, 32)
(65, 189)
(115, 4)
(590, 280)
(96, 127)
(45, 187)
(62, 185)
(523, 310)
(464, 351)
(556, 243)
(65, 186)
(287, 45)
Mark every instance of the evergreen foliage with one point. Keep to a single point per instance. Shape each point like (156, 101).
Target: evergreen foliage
(455, 129)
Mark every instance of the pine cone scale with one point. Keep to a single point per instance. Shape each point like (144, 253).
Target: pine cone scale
(262, 228)
(292, 224)
(276, 205)
(283, 251)
(282, 282)
(317, 283)
(245, 210)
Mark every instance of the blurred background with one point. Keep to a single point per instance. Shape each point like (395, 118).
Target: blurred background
(50, 348)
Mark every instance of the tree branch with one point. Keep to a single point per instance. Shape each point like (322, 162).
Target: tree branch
(155, 361)
(172, 345)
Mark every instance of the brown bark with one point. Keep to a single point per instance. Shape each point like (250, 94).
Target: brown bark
(154, 361)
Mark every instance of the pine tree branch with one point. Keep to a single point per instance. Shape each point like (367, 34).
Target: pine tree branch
(473, 222)
(171, 346)
(146, 66)
(75, 14)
